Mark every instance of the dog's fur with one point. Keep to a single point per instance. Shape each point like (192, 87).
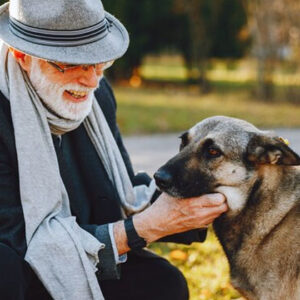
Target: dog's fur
(258, 174)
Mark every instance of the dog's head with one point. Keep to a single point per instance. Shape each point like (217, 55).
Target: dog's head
(222, 154)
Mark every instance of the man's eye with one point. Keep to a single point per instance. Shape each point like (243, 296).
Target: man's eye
(66, 66)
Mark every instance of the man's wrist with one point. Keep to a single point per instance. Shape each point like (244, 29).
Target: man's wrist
(118, 258)
(134, 240)
(120, 237)
(144, 228)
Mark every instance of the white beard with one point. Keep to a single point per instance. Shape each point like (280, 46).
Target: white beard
(52, 95)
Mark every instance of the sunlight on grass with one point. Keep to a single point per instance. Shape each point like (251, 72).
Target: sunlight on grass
(150, 110)
(173, 68)
(177, 106)
(205, 267)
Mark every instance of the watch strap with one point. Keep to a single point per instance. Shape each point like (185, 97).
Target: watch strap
(134, 241)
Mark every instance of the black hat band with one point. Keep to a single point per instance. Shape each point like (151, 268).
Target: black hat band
(60, 38)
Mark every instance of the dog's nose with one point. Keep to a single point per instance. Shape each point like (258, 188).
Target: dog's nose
(163, 179)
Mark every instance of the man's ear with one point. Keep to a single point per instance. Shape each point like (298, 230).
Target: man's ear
(23, 59)
(271, 150)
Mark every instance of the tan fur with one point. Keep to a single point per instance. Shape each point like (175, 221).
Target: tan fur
(267, 244)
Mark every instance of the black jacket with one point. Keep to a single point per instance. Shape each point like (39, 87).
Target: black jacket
(93, 199)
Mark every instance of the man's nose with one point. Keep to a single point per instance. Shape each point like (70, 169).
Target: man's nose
(163, 179)
(89, 77)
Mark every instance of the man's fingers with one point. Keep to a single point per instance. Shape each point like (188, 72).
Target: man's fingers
(223, 207)
(215, 211)
(211, 200)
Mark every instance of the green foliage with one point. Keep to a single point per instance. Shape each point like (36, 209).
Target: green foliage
(2, 2)
(206, 28)
(155, 26)
(227, 41)
(150, 24)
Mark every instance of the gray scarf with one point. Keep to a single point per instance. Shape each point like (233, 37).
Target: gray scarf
(63, 255)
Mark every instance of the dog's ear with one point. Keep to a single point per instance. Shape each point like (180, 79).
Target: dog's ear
(271, 150)
(184, 140)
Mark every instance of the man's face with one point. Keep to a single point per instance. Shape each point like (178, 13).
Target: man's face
(68, 94)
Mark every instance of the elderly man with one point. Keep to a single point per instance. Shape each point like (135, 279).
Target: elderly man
(67, 188)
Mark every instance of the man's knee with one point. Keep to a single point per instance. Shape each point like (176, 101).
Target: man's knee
(146, 278)
(166, 282)
(174, 284)
(11, 274)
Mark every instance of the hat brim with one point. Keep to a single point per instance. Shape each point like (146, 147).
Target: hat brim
(111, 47)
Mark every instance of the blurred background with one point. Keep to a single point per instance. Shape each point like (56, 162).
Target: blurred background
(191, 59)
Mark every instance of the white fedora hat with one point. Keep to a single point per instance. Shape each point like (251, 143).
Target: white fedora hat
(67, 31)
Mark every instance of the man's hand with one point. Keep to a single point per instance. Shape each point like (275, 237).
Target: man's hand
(168, 215)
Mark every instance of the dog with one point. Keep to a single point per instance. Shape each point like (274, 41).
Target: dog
(260, 177)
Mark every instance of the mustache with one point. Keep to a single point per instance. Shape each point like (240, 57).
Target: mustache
(77, 86)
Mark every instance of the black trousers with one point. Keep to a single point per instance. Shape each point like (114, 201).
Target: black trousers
(143, 277)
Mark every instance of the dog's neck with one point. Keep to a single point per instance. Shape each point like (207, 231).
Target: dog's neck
(271, 198)
(269, 193)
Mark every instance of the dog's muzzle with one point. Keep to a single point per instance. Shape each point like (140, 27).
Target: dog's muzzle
(163, 179)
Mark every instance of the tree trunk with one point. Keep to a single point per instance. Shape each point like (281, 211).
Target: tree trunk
(265, 86)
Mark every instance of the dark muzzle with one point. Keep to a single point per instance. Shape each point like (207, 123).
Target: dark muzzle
(163, 179)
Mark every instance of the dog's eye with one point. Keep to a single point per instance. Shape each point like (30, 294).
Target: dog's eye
(213, 152)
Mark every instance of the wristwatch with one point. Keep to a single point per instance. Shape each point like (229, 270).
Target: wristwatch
(134, 241)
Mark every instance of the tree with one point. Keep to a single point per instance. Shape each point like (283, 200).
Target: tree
(213, 30)
(200, 14)
(276, 32)
(231, 38)
(198, 29)
(151, 25)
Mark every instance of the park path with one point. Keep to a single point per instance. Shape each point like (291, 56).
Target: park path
(149, 152)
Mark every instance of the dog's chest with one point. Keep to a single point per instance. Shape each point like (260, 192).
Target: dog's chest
(262, 268)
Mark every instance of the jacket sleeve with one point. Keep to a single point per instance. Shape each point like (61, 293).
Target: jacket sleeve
(12, 225)
(108, 268)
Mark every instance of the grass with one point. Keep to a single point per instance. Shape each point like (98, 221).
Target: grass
(204, 266)
(153, 107)
(172, 109)
(171, 68)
